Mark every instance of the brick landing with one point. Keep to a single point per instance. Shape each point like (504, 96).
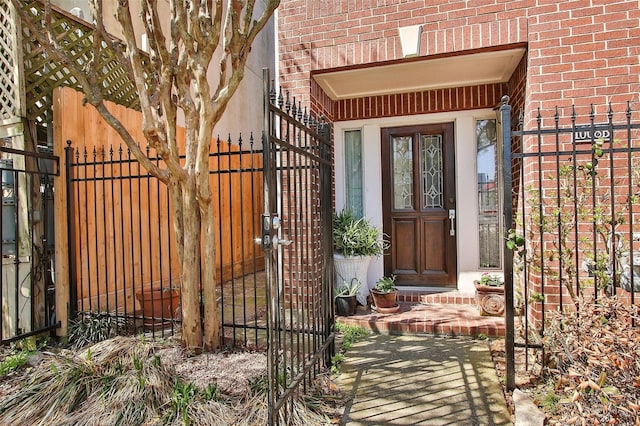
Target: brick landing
(452, 314)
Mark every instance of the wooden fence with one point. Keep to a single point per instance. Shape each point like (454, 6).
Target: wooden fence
(121, 226)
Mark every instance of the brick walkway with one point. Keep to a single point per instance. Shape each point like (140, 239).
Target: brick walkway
(450, 313)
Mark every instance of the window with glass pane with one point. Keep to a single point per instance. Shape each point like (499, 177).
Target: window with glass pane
(431, 169)
(353, 171)
(488, 195)
(402, 151)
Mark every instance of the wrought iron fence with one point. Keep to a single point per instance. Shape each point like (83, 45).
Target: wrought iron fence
(297, 220)
(575, 214)
(123, 258)
(277, 295)
(27, 287)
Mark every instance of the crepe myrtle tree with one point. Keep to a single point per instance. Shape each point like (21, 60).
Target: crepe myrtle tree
(172, 78)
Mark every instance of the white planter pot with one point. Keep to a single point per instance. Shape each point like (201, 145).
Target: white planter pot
(348, 268)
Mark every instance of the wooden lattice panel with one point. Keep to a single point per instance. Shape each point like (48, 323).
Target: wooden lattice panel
(9, 94)
(44, 74)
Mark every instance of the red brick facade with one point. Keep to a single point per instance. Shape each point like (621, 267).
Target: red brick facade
(440, 100)
(580, 52)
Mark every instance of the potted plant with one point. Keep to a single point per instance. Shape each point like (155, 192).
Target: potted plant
(385, 295)
(346, 302)
(490, 294)
(356, 242)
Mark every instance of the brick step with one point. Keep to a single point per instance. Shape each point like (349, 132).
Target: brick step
(461, 319)
(447, 298)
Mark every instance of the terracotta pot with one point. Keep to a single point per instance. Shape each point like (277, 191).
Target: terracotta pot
(346, 305)
(490, 300)
(159, 306)
(385, 301)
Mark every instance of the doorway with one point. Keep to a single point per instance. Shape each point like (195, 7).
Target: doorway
(419, 204)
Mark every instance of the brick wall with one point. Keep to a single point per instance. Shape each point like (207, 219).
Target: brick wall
(582, 51)
(585, 53)
(579, 53)
(440, 100)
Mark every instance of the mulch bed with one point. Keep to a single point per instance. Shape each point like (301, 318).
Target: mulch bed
(591, 373)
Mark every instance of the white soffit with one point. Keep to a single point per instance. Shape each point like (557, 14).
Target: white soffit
(411, 76)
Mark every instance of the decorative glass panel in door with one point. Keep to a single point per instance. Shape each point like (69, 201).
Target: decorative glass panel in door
(402, 172)
(431, 170)
(419, 204)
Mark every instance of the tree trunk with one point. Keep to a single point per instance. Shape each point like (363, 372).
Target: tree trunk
(195, 241)
(174, 79)
(190, 265)
(209, 293)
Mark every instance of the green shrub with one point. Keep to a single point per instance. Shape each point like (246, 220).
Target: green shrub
(353, 236)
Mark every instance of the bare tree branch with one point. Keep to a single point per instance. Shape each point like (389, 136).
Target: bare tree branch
(175, 79)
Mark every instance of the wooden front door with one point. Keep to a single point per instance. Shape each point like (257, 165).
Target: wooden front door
(419, 204)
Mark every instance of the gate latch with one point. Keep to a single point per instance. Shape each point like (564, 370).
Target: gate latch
(271, 223)
(265, 240)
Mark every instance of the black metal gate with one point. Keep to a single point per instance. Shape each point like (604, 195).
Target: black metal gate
(27, 290)
(296, 238)
(571, 206)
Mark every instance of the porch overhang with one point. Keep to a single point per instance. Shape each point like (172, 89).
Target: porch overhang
(420, 74)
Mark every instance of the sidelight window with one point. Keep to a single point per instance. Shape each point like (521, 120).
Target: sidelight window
(489, 217)
(353, 171)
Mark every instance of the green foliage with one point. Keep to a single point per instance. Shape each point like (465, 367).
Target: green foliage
(353, 236)
(550, 401)
(350, 334)
(386, 284)
(491, 280)
(572, 218)
(336, 362)
(183, 395)
(349, 289)
(515, 241)
(211, 393)
(259, 385)
(14, 361)
(94, 328)
(536, 297)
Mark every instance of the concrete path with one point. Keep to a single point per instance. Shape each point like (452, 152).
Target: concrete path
(422, 380)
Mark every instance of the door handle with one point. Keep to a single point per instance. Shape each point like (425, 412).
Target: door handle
(281, 242)
(452, 222)
(273, 241)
